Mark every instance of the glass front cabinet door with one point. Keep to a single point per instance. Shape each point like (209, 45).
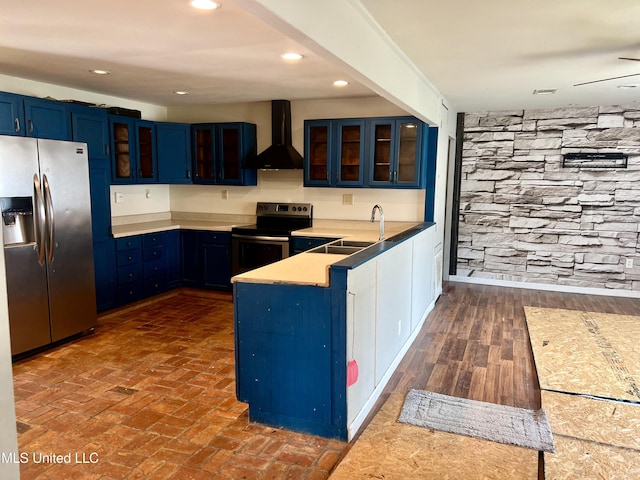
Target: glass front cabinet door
(395, 146)
(134, 150)
(230, 166)
(220, 151)
(146, 146)
(203, 138)
(317, 148)
(123, 150)
(350, 155)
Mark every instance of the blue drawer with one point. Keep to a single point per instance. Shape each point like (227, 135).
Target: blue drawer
(130, 293)
(152, 253)
(152, 239)
(153, 268)
(127, 257)
(129, 274)
(127, 243)
(155, 285)
(218, 238)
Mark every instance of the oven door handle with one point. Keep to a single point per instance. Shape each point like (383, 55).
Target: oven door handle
(260, 238)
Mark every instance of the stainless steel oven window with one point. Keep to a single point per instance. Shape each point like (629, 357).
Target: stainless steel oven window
(249, 251)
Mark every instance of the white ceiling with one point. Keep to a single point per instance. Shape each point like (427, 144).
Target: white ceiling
(486, 55)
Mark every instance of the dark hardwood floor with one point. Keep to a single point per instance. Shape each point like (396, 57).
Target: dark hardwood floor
(475, 343)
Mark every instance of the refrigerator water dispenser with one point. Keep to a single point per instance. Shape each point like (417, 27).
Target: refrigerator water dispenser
(17, 220)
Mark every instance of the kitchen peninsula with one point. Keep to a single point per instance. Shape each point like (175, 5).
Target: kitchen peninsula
(318, 335)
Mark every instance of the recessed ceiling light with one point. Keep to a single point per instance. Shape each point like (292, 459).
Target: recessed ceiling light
(181, 92)
(100, 72)
(629, 85)
(340, 83)
(205, 4)
(544, 91)
(291, 56)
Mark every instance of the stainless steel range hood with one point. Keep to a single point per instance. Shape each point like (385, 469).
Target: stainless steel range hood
(281, 154)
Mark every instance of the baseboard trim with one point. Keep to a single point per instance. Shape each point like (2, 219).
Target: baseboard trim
(545, 286)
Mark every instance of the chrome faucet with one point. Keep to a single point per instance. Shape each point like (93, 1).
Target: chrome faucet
(373, 219)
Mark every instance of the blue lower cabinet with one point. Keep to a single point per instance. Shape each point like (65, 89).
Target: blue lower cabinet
(104, 256)
(153, 263)
(284, 358)
(145, 263)
(172, 258)
(190, 265)
(215, 253)
(206, 259)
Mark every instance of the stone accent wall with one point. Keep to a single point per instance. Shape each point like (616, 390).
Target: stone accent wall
(523, 217)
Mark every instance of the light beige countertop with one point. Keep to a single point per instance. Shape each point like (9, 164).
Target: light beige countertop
(313, 268)
(159, 222)
(301, 269)
(352, 229)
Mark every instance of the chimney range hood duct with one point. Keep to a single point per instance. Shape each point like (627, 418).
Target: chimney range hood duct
(281, 154)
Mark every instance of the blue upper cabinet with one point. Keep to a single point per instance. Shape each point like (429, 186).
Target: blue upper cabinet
(34, 117)
(134, 158)
(174, 152)
(47, 119)
(90, 125)
(220, 151)
(375, 152)
(334, 153)
(396, 153)
(11, 114)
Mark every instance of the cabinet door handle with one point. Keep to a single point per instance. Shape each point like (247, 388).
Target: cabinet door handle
(16, 121)
(106, 149)
(30, 126)
(188, 173)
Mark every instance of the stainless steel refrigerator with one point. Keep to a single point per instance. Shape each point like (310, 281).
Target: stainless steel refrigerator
(46, 226)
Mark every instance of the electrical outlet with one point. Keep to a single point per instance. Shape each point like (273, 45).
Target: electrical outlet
(629, 263)
(119, 197)
(225, 194)
(347, 199)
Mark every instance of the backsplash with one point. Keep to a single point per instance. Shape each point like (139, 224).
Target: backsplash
(273, 186)
(525, 218)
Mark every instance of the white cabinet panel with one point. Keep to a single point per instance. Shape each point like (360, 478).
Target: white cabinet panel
(361, 332)
(423, 279)
(394, 305)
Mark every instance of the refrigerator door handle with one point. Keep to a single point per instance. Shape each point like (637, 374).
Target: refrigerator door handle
(40, 219)
(51, 245)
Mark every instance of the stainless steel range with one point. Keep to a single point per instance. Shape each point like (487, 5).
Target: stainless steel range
(269, 239)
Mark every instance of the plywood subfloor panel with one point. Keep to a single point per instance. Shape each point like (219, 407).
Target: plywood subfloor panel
(586, 352)
(429, 454)
(577, 459)
(600, 421)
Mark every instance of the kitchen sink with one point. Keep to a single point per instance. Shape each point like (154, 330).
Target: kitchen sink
(342, 247)
(352, 243)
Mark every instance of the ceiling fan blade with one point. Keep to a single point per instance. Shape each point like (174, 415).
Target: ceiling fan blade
(629, 58)
(606, 79)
